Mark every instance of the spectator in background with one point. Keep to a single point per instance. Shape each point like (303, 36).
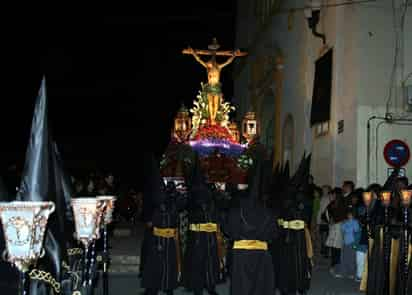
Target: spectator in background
(110, 184)
(355, 201)
(336, 211)
(350, 230)
(79, 187)
(90, 189)
(361, 240)
(317, 194)
(322, 219)
(347, 189)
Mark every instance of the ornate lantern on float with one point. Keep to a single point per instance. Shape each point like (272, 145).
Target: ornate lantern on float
(24, 226)
(183, 123)
(250, 126)
(234, 131)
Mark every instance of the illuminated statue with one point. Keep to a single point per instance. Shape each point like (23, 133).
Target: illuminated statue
(213, 68)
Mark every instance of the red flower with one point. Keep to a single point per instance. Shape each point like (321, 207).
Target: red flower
(214, 132)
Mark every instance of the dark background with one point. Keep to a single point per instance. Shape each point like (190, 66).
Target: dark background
(114, 80)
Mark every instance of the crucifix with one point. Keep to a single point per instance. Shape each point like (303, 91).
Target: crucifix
(213, 73)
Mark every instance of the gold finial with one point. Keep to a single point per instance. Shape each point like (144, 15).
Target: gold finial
(214, 46)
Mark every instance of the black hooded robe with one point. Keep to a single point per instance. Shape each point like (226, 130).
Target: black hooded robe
(251, 270)
(161, 269)
(202, 264)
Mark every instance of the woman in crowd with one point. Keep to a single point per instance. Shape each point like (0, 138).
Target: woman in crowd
(322, 221)
(336, 215)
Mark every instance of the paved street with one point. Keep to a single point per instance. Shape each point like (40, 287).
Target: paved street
(124, 273)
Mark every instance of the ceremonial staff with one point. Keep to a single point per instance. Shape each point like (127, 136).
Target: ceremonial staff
(406, 202)
(386, 201)
(107, 219)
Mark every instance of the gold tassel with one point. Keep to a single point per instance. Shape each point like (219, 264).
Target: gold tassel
(393, 264)
(309, 246)
(364, 281)
(221, 250)
(178, 258)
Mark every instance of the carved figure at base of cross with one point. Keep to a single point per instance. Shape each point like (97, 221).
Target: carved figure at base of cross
(213, 88)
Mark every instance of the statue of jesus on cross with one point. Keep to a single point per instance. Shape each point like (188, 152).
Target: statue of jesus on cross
(213, 73)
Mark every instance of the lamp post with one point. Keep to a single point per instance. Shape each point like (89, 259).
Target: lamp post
(24, 226)
(406, 196)
(107, 219)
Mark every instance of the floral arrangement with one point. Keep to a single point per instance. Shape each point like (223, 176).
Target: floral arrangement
(214, 132)
(200, 110)
(244, 162)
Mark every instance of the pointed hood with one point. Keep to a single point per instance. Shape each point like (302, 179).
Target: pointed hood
(64, 194)
(36, 176)
(286, 173)
(38, 184)
(267, 175)
(297, 177)
(154, 185)
(255, 183)
(390, 184)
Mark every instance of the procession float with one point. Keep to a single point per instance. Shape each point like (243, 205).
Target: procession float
(225, 150)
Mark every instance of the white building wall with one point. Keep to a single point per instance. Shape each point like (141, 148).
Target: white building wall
(376, 49)
(363, 40)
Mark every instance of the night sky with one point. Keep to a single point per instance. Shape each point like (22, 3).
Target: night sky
(114, 80)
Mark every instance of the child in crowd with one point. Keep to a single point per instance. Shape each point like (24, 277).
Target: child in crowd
(350, 229)
(361, 243)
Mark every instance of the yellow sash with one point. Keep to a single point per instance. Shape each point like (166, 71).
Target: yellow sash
(204, 227)
(170, 233)
(294, 224)
(250, 245)
(164, 232)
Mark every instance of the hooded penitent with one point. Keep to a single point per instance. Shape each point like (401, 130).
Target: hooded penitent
(38, 184)
(202, 260)
(378, 279)
(162, 249)
(296, 248)
(64, 194)
(251, 227)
